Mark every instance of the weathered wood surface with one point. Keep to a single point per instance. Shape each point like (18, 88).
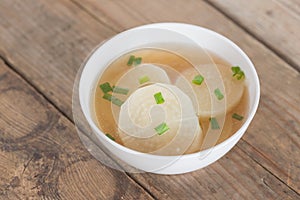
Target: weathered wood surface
(276, 23)
(275, 94)
(46, 41)
(50, 42)
(42, 156)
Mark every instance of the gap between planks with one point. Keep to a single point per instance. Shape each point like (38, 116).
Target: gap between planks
(94, 16)
(11, 66)
(287, 60)
(129, 175)
(282, 57)
(14, 69)
(71, 120)
(254, 149)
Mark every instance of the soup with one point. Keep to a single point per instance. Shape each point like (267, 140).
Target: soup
(155, 101)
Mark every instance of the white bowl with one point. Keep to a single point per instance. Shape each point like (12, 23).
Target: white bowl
(165, 32)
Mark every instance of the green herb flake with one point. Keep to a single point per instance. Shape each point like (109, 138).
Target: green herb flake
(110, 137)
(120, 90)
(134, 61)
(107, 97)
(218, 94)
(198, 80)
(237, 116)
(105, 87)
(159, 98)
(144, 79)
(116, 101)
(162, 128)
(214, 123)
(113, 99)
(137, 61)
(130, 61)
(237, 72)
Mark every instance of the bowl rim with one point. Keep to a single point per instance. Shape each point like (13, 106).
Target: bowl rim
(234, 138)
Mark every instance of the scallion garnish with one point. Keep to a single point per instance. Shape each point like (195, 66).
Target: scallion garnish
(134, 61)
(237, 72)
(113, 99)
(144, 79)
(237, 116)
(198, 79)
(116, 101)
(214, 123)
(110, 137)
(218, 94)
(159, 98)
(130, 61)
(107, 96)
(162, 128)
(105, 87)
(120, 90)
(137, 61)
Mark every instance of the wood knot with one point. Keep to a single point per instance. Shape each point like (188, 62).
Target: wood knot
(269, 13)
(15, 182)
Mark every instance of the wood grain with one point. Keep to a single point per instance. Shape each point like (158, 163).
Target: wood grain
(293, 6)
(50, 41)
(49, 58)
(41, 156)
(263, 136)
(235, 176)
(276, 23)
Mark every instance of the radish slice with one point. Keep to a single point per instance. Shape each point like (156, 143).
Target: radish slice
(139, 76)
(140, 115)
(216, 76)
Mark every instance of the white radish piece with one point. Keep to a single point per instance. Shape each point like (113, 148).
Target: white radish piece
(216, 76)
(136, 77)
(140, 115)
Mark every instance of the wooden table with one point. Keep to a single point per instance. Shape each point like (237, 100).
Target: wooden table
(44, 42)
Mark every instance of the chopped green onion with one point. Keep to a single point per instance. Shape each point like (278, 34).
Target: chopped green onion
(144, 79)
(120, 90)
(134, 61)
(198, 79)
(137, 61)
(105, 87)
(116, 101)
(159, 98)
(107, 96)
(162, 128)
(113, 99)
(130, 61)
(237, 72)
(214, 123)
(110, 137)
(237, 116)
(219, 94)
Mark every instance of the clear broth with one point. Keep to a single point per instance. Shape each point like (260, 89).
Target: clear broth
(103, 110)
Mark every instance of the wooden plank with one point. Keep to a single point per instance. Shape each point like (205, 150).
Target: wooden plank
(282, 95)
(49, 33)
(276, 23)
(41, 155)
(149, 11)
(293, 6)
(235, 176)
